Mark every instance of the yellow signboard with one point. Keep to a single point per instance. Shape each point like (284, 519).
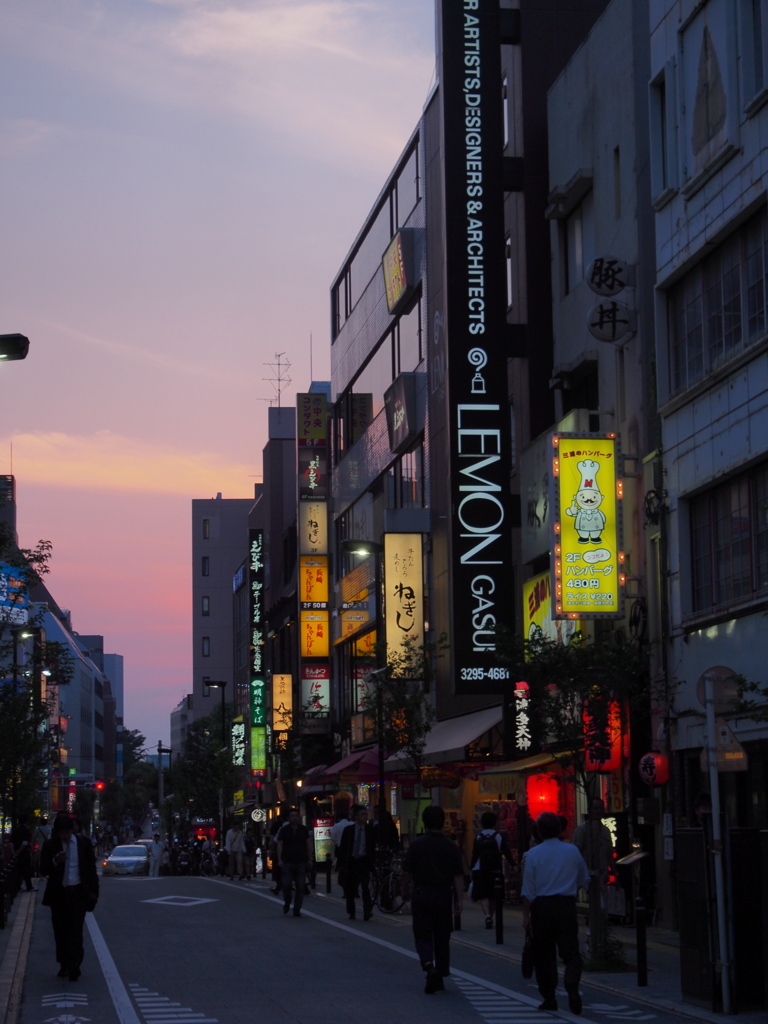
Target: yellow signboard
(315, 631)
(588, 563)
(537, 611)
(313, 580)
(403, 589)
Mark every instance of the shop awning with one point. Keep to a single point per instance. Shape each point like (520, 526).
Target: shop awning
(522, 765)
(447, 740)
(360, 767)
(312, 780)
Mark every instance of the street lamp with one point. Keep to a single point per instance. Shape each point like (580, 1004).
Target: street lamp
(365, 549)
(220, 685)
(13, 346)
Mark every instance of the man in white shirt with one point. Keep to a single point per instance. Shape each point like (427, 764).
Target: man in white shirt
(234, 844)
(69, 863)
(554, 872)
(156, 851)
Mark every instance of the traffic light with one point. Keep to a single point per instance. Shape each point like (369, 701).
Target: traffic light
(99, 785)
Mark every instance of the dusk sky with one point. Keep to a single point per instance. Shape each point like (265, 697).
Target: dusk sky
(181, 180)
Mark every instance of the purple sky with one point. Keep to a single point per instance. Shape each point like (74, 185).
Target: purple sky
(181, 181)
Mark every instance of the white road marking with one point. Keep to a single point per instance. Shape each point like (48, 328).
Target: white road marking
(180, 901)
(117, 990)
(487, 986)
(157, 1009)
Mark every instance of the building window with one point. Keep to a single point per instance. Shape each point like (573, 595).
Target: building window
(206, 566)
(719, 307)
(206, 529)
(510, 272)
(206, 605)
(663, 130)
(578, 242)
(505, 109)
(729, 541)
(753, 49)
(206, 647)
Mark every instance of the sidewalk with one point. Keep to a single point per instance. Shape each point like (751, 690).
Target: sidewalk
(663, 989)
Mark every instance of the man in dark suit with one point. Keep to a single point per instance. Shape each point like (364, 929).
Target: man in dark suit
(356, 857)
(68, 861)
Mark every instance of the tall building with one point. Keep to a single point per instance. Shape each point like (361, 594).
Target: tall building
(219, 538)
(709, 157)
(441, 359)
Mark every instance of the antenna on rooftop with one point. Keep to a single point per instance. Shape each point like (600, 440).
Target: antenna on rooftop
(280, 380)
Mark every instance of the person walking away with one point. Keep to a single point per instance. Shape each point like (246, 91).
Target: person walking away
(277, 872)
(593, 840)
(433, 877)
(68, 861)
(250, 850)
(234, 844)
(489, 849)
(554, 872)
(21, 841)
(356, 853)
(294, 853)
(39, 836)
(156, 852)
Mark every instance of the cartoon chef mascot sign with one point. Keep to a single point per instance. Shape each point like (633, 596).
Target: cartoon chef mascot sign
(585, 507)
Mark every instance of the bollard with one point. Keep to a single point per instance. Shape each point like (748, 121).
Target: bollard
(498, 896)
(642, 947)
(328, 869)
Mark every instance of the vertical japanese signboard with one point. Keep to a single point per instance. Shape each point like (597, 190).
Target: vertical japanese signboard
(469, 405)
(587, 562)
(312, 438)
(282, 702)
(314, 617)
(258, 695)
(404, 589)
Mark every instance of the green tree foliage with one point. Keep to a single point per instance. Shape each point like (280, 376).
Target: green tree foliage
(566, 680)
(399, 693)
(140, 789)
(134, 749)
(203, 775)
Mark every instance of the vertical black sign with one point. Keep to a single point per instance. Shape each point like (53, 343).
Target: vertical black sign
(469, 357)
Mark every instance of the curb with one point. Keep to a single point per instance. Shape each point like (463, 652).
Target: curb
(14, 963)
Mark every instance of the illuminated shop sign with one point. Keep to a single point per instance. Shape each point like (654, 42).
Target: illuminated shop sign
(14, 602)
(469, 345)
(400, 406)
(313, 581)
(312, 440)
(403, 589)
(282, 702)
(258, 751)
(315, 691)
(397, 263)
(588, 563)
(537, 611)
(258, 702)
(237, 743)
(313, 528)
(256, 585)
(315, 632)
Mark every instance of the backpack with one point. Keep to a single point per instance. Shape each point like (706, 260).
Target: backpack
(487, 854)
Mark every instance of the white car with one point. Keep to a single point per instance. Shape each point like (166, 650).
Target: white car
(126, 860)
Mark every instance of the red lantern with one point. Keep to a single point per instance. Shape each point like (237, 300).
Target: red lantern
(613, 760)
(543, 793)
(654, 768)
